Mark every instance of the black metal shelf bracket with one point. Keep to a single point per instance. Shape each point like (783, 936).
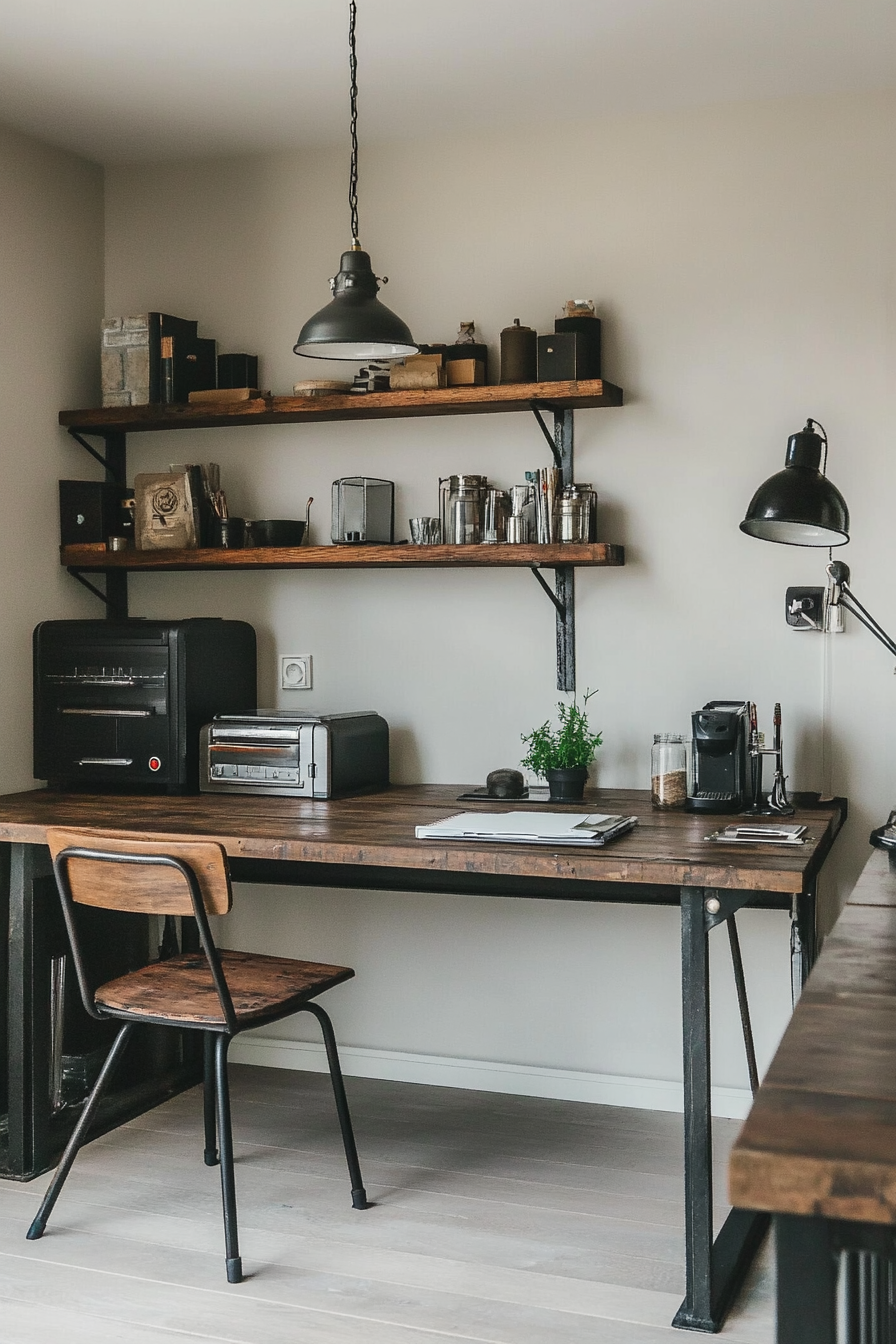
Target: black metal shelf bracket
(114, 458)
(563, 597)
(115, 598)
(561, 606)
(114, 462)
(535, 407)
(91, 587)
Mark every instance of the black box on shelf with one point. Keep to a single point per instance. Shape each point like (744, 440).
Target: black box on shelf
(237, 371)
(195, 366)
(588, 330)
(91, 511)
(566, 357)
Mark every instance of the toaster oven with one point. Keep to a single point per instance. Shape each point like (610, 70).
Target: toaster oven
(294, 755)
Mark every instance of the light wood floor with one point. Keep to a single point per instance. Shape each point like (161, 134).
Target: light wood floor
(502, 1219)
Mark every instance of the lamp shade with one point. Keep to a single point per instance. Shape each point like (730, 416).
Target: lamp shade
(799, 505)
(355, 325)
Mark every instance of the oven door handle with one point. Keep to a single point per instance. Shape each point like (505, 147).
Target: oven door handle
(262, 749)
(105, 760)
(111, 713)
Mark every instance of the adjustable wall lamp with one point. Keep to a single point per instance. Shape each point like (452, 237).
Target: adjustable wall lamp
(799, 506)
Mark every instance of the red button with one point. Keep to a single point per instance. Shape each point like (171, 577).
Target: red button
(155, 763)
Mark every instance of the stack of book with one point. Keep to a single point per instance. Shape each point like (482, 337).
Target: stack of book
(152, 358)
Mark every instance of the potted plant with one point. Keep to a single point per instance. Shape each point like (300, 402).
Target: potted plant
(562, 755)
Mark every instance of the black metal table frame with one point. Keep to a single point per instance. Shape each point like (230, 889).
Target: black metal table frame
(835, 1281)
(715, 1270)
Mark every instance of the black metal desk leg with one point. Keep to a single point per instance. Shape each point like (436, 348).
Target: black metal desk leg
(807, 1281)
(803, 939)
(695, 1312)
(29, 1010)
(715, 1270)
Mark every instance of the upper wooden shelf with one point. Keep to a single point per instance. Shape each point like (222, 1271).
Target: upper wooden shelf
(364, 406)
(96, 557)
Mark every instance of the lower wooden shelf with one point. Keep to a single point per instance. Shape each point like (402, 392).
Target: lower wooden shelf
(97, 558)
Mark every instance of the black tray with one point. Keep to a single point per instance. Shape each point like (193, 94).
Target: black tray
(483, 796)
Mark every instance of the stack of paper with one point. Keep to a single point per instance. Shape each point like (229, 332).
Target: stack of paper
(531, 828)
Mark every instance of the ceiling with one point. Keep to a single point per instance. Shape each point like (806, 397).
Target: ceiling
(120, 81)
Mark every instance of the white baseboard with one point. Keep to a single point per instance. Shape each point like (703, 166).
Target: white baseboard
(650, 1094)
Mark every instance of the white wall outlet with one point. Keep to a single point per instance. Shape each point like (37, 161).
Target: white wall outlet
(295, 671)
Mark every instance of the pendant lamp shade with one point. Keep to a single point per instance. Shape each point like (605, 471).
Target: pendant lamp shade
(799, 506)
(355, 325)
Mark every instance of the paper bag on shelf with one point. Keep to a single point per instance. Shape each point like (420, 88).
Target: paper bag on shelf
(165, 514)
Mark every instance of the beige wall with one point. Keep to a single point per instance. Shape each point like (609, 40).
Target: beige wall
(742, 259)
(51, 294)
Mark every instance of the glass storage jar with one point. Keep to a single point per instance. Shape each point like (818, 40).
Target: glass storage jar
(668, 771)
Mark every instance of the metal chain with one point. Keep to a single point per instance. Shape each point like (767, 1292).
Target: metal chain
(353, 97)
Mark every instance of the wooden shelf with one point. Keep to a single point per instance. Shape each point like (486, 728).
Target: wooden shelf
(97, 558)
(368, 406)
(114, 423)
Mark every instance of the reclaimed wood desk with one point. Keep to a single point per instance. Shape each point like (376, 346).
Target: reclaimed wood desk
(369, 843)
(818, 1149)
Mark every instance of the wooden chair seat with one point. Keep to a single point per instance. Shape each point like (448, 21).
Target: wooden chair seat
(181, 990)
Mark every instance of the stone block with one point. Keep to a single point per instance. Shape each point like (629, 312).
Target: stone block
(112, 368)
(136, 368)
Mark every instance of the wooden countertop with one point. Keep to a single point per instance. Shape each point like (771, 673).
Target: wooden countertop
(821, 1136)
(377, 830)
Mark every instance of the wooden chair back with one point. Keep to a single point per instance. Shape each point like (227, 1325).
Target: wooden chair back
(151, 889)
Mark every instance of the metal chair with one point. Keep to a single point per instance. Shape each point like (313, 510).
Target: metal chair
(217, 992)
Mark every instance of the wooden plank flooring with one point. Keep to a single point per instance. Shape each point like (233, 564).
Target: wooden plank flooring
(497, 1219)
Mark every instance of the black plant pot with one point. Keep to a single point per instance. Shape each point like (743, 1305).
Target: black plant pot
(567, 785)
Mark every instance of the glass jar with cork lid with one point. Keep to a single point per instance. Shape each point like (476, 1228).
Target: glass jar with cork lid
(668, 771)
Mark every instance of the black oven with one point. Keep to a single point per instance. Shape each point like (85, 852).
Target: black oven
(120, 703)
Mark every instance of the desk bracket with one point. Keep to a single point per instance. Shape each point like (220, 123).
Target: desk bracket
(721, 905)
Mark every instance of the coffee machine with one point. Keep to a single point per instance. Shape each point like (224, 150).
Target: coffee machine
(721, 731)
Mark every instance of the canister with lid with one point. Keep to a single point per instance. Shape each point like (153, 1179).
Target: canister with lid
(576, 513)
(461, 508)
(518, 354)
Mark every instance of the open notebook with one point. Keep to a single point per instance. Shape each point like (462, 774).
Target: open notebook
(531, 828)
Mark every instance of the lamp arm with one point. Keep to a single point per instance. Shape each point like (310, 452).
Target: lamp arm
(851, 603)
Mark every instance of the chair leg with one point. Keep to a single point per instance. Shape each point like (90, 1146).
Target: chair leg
(225, 1143)
(359, 1194)
(208, 1098)
(37, 1228)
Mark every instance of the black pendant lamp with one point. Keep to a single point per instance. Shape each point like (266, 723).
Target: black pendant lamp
(799, 506)
(355, 325)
